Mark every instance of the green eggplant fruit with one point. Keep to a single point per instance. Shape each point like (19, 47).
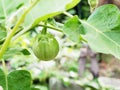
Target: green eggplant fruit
(45, 47)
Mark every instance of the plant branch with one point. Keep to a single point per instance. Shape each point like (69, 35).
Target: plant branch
(44, 30)
(28, 28)
(22, 32)
(68, 14)
(51, 27)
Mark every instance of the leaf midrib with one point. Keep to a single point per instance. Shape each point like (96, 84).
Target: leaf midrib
(94, 28)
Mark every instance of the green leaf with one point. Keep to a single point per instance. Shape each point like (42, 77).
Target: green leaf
(10, 6)
(19, 80)
(2, 79)
(25, 52)
(47, 9)
(72, 4)
(11, 52)
(103, 30)
(72, 28)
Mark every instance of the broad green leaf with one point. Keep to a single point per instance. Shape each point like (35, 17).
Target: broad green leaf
(19, 80)
(72, 28)
(9, 6)
(48, 8)
(11, 52)
(72, 4)
(2, 79)
(103, 30)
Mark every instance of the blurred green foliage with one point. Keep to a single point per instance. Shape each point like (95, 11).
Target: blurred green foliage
(83, 9)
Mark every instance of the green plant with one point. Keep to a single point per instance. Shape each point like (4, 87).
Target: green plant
(101, 31)
(18, 20)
